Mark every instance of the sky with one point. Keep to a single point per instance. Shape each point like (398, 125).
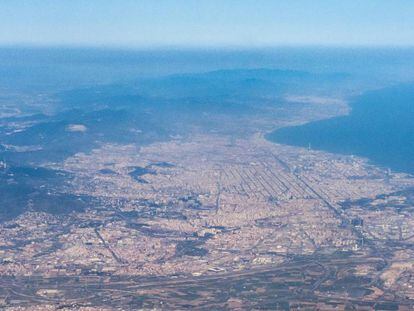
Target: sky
(206, 23)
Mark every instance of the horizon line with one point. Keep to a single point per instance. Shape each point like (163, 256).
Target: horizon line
(181, 47)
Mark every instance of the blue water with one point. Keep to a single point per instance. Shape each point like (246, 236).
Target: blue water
(379, 127)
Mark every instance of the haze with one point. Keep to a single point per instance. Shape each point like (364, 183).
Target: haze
(206, 23)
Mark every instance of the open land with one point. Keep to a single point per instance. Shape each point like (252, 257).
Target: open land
(125, 215)
(215, 222)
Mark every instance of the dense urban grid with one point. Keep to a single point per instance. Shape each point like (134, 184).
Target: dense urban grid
(168, 194)
(207, 209)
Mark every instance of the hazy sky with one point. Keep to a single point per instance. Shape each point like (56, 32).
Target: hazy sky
(143, 23)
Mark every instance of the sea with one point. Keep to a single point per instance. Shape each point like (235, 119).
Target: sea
(380, 125)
